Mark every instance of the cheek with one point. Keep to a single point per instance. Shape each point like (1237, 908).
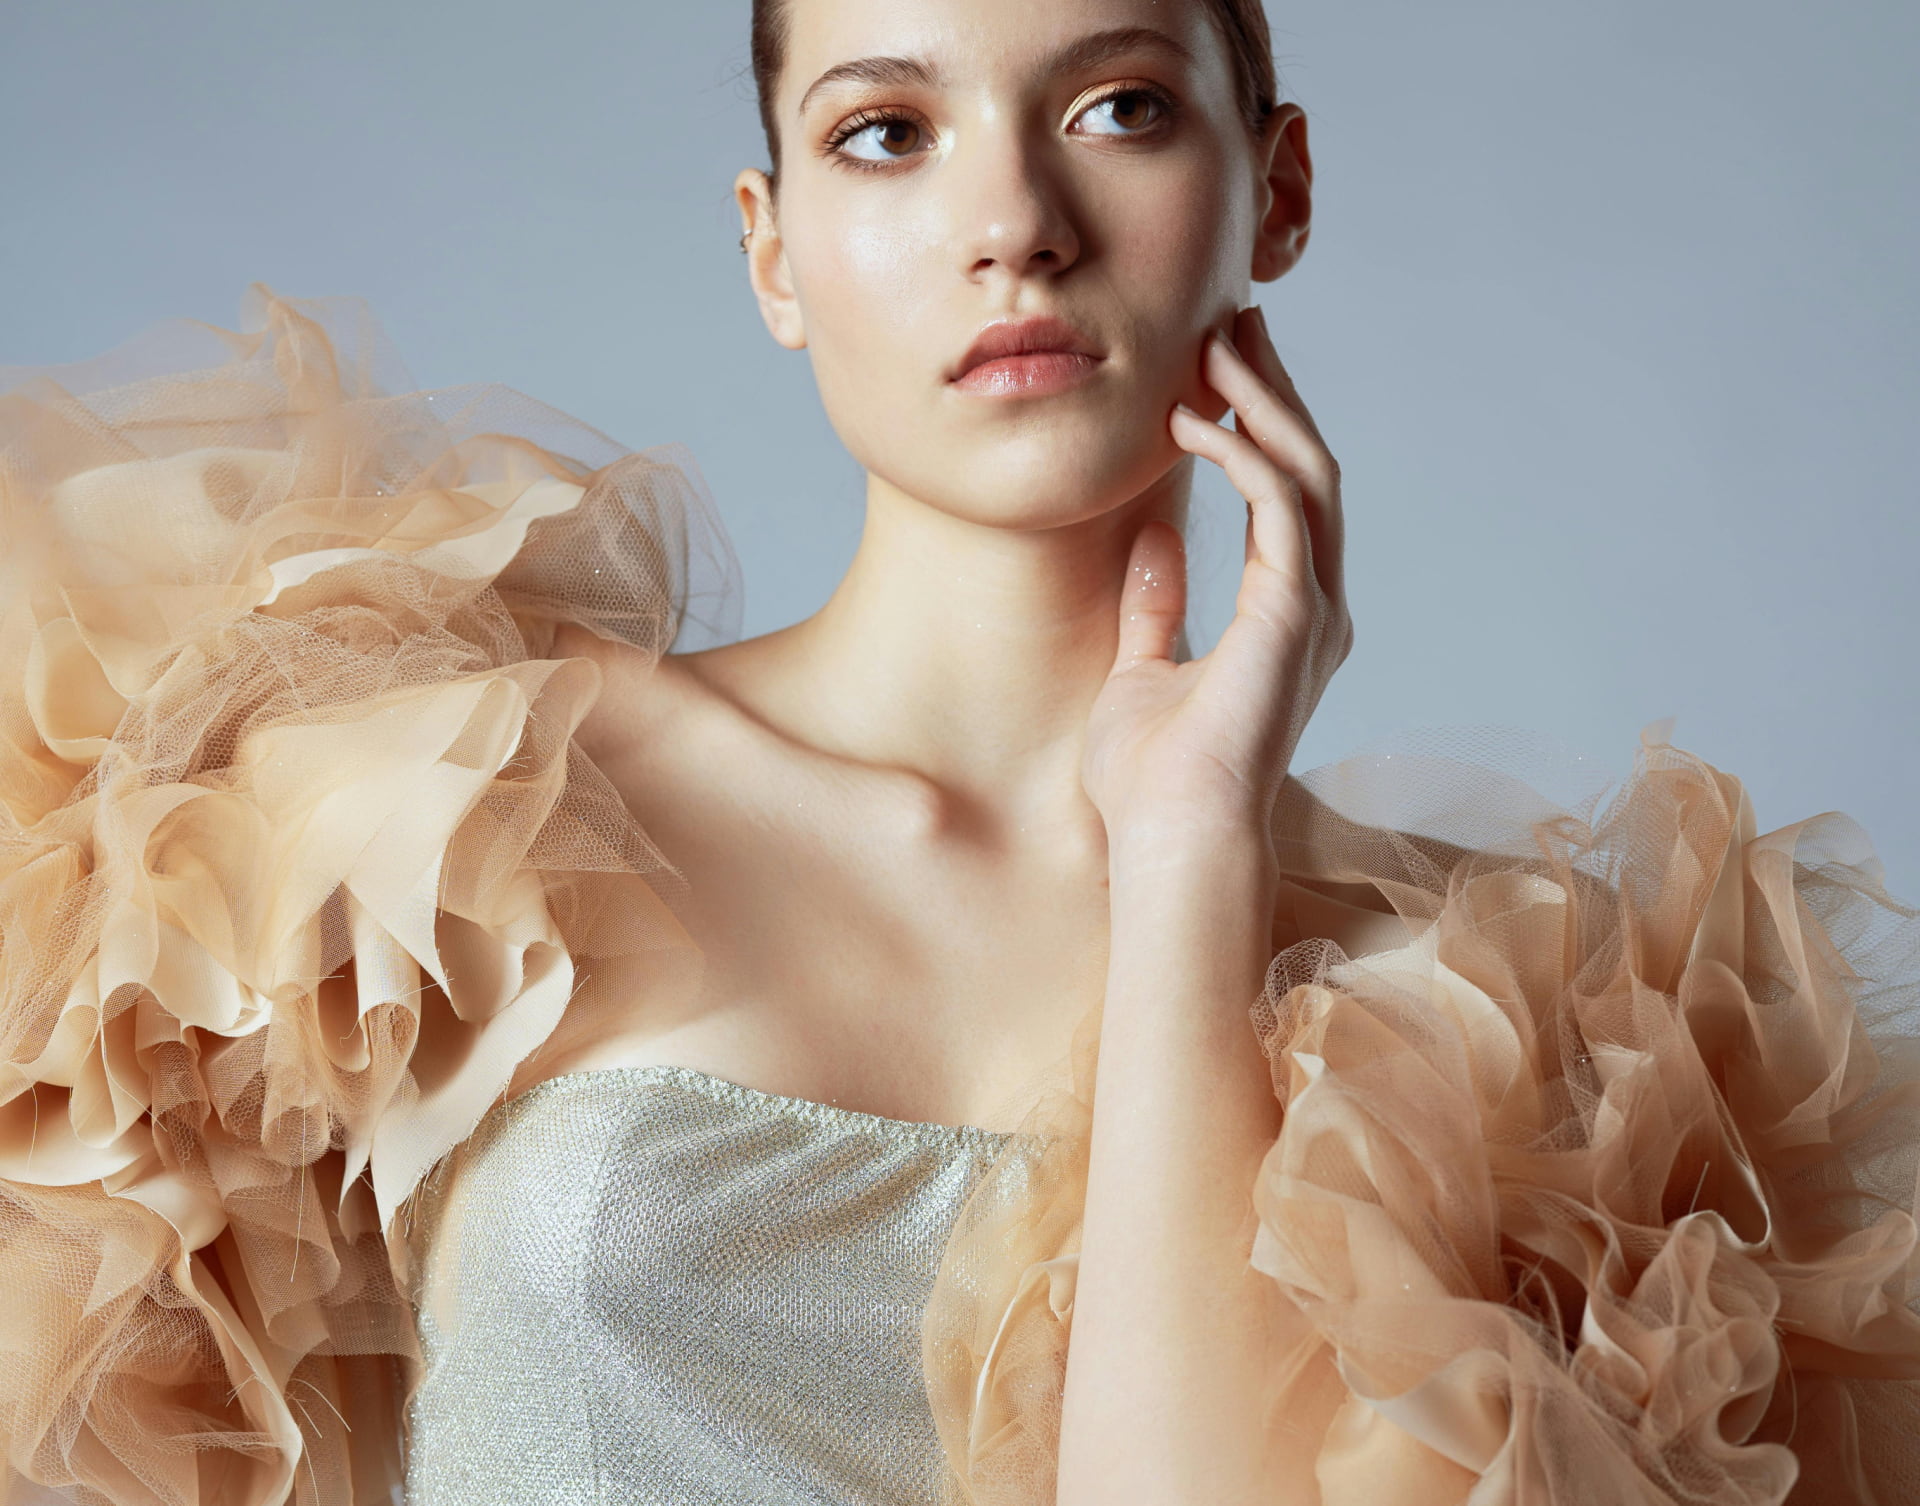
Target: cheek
(868, 278)
(860, 276)
(1183, 256)
(1185, 235)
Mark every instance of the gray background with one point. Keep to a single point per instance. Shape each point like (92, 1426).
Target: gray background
(1610, 315)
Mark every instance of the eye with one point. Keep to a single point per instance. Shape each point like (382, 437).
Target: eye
(877, 139)
(1132, 111)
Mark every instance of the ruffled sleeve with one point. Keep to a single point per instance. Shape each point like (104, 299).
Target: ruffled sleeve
(297, 863)
(1596, 1180)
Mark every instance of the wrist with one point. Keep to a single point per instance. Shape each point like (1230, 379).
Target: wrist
(1201, 850)
(1192, 924)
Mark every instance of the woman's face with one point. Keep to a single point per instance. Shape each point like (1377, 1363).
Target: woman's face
(996, 175)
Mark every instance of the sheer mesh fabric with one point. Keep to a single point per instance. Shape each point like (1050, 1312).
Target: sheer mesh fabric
(1597, 1174)
(1598, 1167)
(297, 862)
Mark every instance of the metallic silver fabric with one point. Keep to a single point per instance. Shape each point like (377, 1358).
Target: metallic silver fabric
(645, 1285)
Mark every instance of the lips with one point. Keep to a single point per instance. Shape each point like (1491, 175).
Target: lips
(1025, 337)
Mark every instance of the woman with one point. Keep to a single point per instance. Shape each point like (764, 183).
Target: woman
(457, 1041)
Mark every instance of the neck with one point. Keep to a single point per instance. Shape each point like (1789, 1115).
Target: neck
(970, 654)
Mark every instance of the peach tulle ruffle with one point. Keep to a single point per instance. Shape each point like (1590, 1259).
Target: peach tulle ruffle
(1597, 1176)
(296, 864)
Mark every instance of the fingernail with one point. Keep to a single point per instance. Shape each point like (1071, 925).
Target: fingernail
(1183, 408)
(1260, 314)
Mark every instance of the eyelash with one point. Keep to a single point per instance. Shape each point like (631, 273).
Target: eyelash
(866, 119)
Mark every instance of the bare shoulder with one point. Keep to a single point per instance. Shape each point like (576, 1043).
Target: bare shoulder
(641, 696)
(668, 731)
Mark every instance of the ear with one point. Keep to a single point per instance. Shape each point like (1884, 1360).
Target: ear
(767, 259)
(1285, 189)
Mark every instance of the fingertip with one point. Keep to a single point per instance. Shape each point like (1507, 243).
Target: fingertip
(1154, 597)
(1173, 536)
(1158, 559)
(1247, 330)
(1181, 424)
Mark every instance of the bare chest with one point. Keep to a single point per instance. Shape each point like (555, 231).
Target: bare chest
(854, 956)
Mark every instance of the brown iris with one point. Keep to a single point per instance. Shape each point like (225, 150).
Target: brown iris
(1132, 109)
(899, 136)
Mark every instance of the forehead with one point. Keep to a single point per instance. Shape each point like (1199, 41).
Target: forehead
(975, 41)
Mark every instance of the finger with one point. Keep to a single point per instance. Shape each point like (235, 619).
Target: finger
(1282, 433)
(1269, 421)
(1254, 341)
(1277, 520)
(1153, 599)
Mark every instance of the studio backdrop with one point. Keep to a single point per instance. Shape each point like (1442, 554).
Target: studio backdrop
(1610, 314)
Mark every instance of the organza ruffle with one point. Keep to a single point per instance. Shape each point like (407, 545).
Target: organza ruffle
(297, 864)
(1597, 1174)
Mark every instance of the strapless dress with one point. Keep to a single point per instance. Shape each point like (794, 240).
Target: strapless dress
(647, 1284)
(1600, 1154)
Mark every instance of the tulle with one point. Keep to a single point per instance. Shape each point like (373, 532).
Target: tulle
(297, 864)
(1597, 1176)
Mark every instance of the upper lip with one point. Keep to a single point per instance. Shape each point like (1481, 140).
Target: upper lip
(1022, 337)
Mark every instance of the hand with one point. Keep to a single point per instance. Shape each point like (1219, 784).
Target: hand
(1179, 752)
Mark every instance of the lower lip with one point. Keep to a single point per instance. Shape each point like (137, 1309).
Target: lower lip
(1032, 375)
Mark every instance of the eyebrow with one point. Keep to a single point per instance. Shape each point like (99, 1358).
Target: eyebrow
(1078, 55)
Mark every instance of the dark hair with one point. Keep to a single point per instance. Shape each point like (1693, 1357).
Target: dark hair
(1242, 25)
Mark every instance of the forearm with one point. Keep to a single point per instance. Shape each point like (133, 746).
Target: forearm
(1172, 1343)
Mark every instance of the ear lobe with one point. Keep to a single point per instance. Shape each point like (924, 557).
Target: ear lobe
(773, 287)
(767, 268)
(1286, 187)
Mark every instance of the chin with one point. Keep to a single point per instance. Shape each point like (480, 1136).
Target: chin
(1050, 476)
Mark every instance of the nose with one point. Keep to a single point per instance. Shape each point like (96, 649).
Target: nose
(1014, 215)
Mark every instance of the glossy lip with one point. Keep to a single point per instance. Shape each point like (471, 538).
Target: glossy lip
(1025, 355)
(1029, 375)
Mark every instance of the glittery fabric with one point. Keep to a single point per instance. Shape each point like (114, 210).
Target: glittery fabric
(649, 1285)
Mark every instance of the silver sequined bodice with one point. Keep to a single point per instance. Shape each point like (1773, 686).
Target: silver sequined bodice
(647, 1285)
